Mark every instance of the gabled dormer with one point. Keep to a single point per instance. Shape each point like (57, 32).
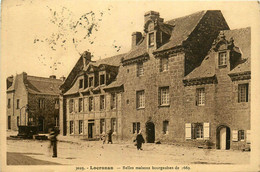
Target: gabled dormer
(226, 53)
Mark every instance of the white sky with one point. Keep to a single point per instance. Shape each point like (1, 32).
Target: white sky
(23, 21)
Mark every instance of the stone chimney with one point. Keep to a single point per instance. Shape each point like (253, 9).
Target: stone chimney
(63, 78)
(86, 58)
(152, 15)
(136, 37)
(53, 77)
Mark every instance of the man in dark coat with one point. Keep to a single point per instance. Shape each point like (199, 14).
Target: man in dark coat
(53, 138)
(139, 140)
(109, 135)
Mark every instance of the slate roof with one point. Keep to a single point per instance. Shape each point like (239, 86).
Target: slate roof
(139, 50)
(242, 40)
(41, 85)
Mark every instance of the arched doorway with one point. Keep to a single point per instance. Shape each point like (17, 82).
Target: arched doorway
(223, 137)
(150, 132)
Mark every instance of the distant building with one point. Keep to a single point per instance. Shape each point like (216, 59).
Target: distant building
(32, 100)
(184, 81)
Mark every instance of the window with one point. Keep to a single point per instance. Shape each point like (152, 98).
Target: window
(56, 103)
(71, 105)
(241, 135)
(80, 127)
(9, 122)
(91, 103)
(243, 93)
(102, 102)
(41, 103)
(200, 96)
(151, 39)
(164, 64)
(91, 81)
(197, 131)
(113, 125)
(57, 121)
(164, 96)
(102, 126)
(222, 60)
(136, 127)
(71, 127)
(80, 104)
(102, 79)
(81, 83)
(9, 103)
(140, 99)
(17, 104)
(113, 101)
(140, 69)
(165, 127)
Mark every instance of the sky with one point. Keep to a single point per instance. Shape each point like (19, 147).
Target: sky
(46, 38)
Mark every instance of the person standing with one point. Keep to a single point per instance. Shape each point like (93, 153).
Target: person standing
(139, 140)
(109, 135)
(53, 138)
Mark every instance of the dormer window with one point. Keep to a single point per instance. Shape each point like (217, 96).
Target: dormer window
(81, 83)
(151, 39)
(91, 81)
(101, 79)
(222, 59)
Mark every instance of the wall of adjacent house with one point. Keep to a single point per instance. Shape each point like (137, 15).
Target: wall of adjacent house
(49, 112)
(150, 82)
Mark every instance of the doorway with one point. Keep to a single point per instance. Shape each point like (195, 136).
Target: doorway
(90, 129)
(41, 124)
(150, 132)
(223, 138)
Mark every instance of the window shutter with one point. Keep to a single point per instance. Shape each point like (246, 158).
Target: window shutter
(196, 98)
(234, 135)
(248, 135)
(159, 96)
(188, 131)
(206, 130)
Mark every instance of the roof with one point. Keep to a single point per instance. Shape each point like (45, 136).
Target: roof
(242, 41)
(183, 27)
(41, 85)
(138, 50)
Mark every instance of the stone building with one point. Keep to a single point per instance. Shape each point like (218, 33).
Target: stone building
(32, 100)
(184, 81)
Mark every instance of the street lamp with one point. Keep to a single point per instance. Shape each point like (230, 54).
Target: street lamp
(26, 110)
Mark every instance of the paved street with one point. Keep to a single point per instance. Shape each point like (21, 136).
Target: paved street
(94, 152)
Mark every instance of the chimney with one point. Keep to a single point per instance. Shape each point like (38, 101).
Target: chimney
(136, 37)
(24, 75)
(53, 77)
(86, 57)
(63, 78)
(152, 15)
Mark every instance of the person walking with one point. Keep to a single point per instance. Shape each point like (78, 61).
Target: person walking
(109, 135)
(139, 140)
(53, 138)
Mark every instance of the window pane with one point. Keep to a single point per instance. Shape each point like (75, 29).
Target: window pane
(102, 102)
(151, 39)
(164, 95)
(140, 99)
(222, 58)
(200, 96)
(243, 93)
(140, 69)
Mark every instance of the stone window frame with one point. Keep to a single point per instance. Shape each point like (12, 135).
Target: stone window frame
(114, 125)
(164, 96)
(151, 43)
(102, 102)
(91, 103)
(222, 61)
(200, 96)
(243, 92)
(102, 126)
(136, 127)
(81, 83)
(71, 127)
(241, 135)
(165, 127)
(164, 64)
(140, 99)
(80, 104)
(81, 126)
(71, 105)
(113, 101)
(140, 69)
(41, 102)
